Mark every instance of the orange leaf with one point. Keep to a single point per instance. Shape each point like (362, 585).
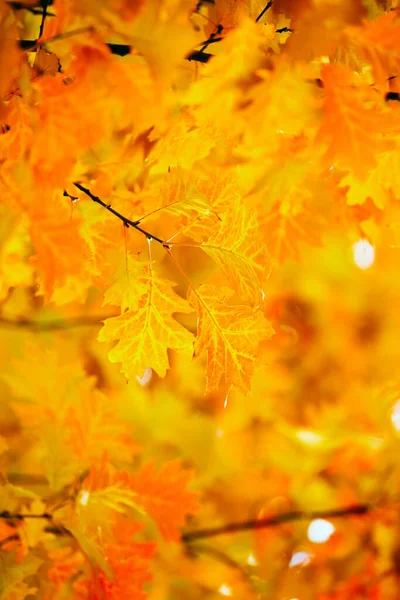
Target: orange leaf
(354, 122)
(229, 334)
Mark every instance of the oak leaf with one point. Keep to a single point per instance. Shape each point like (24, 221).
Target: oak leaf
(230, 334)
(237, 249)
(146, 328)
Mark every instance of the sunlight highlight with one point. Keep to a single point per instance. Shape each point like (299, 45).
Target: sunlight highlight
(225, 590)
(300, 559)
(311, 438)
(251, 560)
(396, 416)
(84, 498)
(363, 254)
(319, 531)
(220, 432)
(146, 376)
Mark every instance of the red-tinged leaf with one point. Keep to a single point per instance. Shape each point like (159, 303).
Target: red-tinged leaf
(163, 495)
(230, 334)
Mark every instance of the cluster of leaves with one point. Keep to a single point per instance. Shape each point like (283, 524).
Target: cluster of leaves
(181, 184)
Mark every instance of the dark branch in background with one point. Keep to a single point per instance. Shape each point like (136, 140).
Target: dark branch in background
(127, 222)
(125, 49)
(357, 509)
(190, 536)
(81, 321)
(21, 516)
(32, 9)
(264, 10)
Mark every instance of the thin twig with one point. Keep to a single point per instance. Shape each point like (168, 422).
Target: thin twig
(22, 516)
(127, 222)
(357, 509)
(264, 10)
(45, 4)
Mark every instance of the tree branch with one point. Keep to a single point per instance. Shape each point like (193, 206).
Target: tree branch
(45, 4)
(264, 10)
(22, 516)
(81, 321)
(127, 222)
(357, 509)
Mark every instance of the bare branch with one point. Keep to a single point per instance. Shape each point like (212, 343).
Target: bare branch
(81, 321)
(264, 10)
(127, 222)
(357, 509)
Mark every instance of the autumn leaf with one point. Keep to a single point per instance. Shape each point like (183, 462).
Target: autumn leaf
(236, 247)
(376, 42)
(354, 121)
(131, 562)
(230, 335)
(146, 328)
(52, 229)
(162, 495)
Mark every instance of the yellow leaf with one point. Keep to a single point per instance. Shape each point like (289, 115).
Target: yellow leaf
(146, 328)
(229, 334)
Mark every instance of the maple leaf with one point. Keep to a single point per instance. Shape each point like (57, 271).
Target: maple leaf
(131, 566)
(288, 227)
(146, 328)
(59, 249)
(93, 424)
(162, 495)
(376, 42)
(229, 334)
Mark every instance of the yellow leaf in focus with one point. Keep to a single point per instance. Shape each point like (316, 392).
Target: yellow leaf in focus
(146, 329)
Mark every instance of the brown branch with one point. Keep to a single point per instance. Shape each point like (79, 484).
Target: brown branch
(22, 516)
(357, 509)
(127, 222)
(264, 10)
(81, 321)
(45, 4)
